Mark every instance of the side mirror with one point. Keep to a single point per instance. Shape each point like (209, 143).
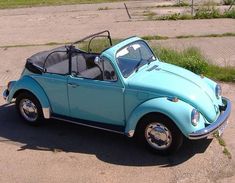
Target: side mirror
(97, 60)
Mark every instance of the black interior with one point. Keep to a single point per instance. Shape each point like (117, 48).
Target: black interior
(58, 60)
(83, 65)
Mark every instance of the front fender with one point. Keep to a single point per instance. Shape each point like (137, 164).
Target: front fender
(29, 84)
(179, 112)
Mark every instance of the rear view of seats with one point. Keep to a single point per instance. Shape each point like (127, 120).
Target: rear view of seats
(80, 67)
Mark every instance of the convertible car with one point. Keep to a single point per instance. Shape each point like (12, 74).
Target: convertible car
(124, 88)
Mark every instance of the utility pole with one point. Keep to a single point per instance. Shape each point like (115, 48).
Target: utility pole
(192, 8)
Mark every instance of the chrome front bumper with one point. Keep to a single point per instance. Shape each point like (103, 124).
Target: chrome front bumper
(5, 94)
(222, 119)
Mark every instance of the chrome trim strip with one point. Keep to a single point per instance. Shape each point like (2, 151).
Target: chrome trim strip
(5, 95)
(46, 113)
(74, 122)
(215, 125)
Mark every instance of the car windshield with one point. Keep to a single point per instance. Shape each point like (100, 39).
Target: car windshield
(131, 57)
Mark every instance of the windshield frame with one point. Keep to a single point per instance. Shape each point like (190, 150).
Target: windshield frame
(134, 70)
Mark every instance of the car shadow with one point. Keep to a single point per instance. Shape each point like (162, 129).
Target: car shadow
(57, 136)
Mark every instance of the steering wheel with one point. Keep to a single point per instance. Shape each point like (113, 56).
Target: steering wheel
(109, 75)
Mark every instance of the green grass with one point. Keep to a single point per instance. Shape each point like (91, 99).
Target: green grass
(148, 38)
(175, 16)
(204, 12)
(185, 36)
(30, 3)
(193, 60)
(159, 37)
(207, 12)
(230, 13)
(149, 14)
(220, 139)
(227, 153)
(223, 144)
(182, 3)
(30, 45)
(156, 37)
(103, 8)
(227, 34)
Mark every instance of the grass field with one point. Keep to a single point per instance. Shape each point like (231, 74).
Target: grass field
(193, 60)
(29, 3)
(190, 58)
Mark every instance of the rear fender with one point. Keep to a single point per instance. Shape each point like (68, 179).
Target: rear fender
(27, 83)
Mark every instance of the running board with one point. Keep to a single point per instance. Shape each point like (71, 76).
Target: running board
(97, 125)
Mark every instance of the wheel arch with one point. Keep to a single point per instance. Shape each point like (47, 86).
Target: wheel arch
(28, 84)
(178, 112)
(155, 113)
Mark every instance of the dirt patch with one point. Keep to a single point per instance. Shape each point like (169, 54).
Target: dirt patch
(69, 23)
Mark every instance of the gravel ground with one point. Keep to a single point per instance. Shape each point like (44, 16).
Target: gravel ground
(69, 23)
(62, 152)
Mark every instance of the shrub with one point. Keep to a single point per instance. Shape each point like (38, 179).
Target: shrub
(193, 60)
(207, 13)
(190, 59)
(229, 13)
(182, 3)
(228, 2)
(176, 16)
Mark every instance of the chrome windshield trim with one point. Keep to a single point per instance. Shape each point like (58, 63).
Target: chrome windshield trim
(215, 125)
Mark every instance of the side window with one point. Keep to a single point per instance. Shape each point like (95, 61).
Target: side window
(109, 73)
(57, 63)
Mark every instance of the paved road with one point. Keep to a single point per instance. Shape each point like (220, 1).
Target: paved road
(69, 23)
(61, 152)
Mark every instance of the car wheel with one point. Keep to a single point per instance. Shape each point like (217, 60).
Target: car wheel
(29, 108)
(159, 134)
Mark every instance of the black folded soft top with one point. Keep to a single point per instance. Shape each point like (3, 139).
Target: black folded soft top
(49, 57)
(39, 62)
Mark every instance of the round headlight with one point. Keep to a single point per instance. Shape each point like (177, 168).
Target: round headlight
(195, 116)
(218, 91)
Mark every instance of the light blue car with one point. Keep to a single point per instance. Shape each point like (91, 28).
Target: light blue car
(124, 89)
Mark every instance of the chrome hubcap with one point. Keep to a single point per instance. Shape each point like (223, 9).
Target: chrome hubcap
(158, 136)
(28, 110)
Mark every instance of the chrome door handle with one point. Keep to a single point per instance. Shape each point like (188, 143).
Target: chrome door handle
(74, 85)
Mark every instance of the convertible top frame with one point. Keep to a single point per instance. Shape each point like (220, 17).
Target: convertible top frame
(37, 62)
(93, 36)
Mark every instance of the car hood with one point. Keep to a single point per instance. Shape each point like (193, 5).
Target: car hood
(166, 80)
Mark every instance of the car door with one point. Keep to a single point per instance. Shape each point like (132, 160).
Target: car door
(96, 100)
(55, 87)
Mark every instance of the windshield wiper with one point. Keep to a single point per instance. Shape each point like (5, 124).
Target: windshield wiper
(137, 65)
